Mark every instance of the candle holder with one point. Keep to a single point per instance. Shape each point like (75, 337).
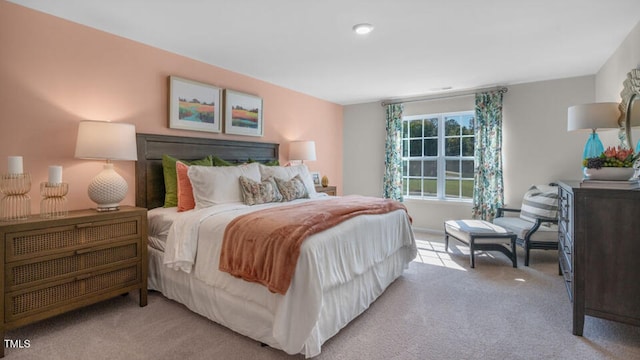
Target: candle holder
(54, 200)
(15, 204)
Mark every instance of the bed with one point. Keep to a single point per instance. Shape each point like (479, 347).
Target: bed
(340, 272)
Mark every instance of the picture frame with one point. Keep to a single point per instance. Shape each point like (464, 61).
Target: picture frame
(316, 178)
(194, 105)
(242, 114)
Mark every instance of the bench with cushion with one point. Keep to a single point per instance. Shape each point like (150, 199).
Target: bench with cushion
(481, 235)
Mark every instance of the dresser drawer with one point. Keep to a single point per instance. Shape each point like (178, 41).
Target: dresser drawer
(564, 212)
(565, 248)
(567, 273)
(47, 298)
(31, 273)
(45, 241)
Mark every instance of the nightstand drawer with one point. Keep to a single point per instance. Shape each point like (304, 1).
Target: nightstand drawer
(329, 190)
(41, 242)
(31, 273)
(35, 300)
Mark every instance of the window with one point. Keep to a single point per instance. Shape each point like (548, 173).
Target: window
(437, 156)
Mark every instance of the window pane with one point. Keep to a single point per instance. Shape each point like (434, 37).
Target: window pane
(415, 128)
(430, 168)
(453, 168)
(431, 127)
(405, 148)
(404, 169)
(405, 129)
(452, 126)
(415, 168)
(467, 146)
(452, 147)
(415, 147)
(452, 188)
(431, 147)
(414, 187)
(468, 124)
(467, 169)
(430, 187)
(467, 189)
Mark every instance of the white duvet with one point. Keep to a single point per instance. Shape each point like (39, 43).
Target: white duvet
(371, 247)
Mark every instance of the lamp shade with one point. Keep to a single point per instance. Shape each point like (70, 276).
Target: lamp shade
(302, 150)
(593, 116)
(106, 141)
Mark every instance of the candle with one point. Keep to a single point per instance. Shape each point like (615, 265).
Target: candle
(55, 175)
(15, 165)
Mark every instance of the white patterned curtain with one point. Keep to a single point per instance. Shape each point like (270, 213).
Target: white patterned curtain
(392, 181)
(488, 187)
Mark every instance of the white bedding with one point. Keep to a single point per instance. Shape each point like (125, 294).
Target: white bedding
(340, 272)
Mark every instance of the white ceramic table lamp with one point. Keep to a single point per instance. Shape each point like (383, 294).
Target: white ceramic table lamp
(107, 141)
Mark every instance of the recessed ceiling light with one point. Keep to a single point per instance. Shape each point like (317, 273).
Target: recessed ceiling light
(363, 28)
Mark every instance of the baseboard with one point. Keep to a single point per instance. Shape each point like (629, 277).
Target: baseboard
(428, 231)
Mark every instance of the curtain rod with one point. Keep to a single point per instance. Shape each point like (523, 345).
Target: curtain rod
(501, 89)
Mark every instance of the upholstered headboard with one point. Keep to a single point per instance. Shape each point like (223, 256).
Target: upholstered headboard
(149, 176)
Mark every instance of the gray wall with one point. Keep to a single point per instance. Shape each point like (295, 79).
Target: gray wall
(537, 148)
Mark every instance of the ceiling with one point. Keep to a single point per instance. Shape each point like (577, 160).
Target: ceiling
(418, 47)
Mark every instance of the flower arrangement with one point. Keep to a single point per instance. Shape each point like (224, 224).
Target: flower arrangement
(612, 157)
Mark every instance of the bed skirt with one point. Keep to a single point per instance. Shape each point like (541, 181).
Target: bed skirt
(340, 304)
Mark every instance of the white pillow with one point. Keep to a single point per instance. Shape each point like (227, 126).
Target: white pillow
(287, 173)
(219, 184)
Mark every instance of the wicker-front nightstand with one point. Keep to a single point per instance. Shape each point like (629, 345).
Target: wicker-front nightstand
(329, 190)
(55, 265)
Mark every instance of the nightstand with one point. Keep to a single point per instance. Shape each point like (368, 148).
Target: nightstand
(53, 266)
(329, 190)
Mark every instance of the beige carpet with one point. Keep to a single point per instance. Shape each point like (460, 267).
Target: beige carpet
(440, 309)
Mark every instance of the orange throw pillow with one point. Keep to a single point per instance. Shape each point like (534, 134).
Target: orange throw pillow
(185, 191)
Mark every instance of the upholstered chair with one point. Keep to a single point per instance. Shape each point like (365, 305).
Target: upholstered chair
(536, 222)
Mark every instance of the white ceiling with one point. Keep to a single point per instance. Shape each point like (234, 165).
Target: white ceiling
(417, 47)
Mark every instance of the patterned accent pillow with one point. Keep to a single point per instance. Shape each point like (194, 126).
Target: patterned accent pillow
(540, 202)
(288, 172)
(292, 189)
(255, 192)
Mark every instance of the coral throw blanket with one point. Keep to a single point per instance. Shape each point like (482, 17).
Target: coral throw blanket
(264, 246)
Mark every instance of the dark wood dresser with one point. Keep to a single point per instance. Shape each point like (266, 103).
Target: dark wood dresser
(599, 252)
(51, 266)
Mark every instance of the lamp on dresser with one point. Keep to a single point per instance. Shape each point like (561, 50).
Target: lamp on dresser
(103, 140)
(302, 150)
(592, 117)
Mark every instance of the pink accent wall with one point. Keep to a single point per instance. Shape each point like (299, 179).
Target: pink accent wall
(55, 73)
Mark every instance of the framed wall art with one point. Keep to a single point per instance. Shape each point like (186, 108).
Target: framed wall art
(194, 105)
(242, 114)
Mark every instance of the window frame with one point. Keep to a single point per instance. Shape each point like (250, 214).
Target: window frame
(441, 158)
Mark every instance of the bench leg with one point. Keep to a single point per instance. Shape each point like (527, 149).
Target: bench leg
(514, 257)
(446, 242)
(471, 251)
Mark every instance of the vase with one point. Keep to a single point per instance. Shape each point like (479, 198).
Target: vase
(609, 173)
(325, 181)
